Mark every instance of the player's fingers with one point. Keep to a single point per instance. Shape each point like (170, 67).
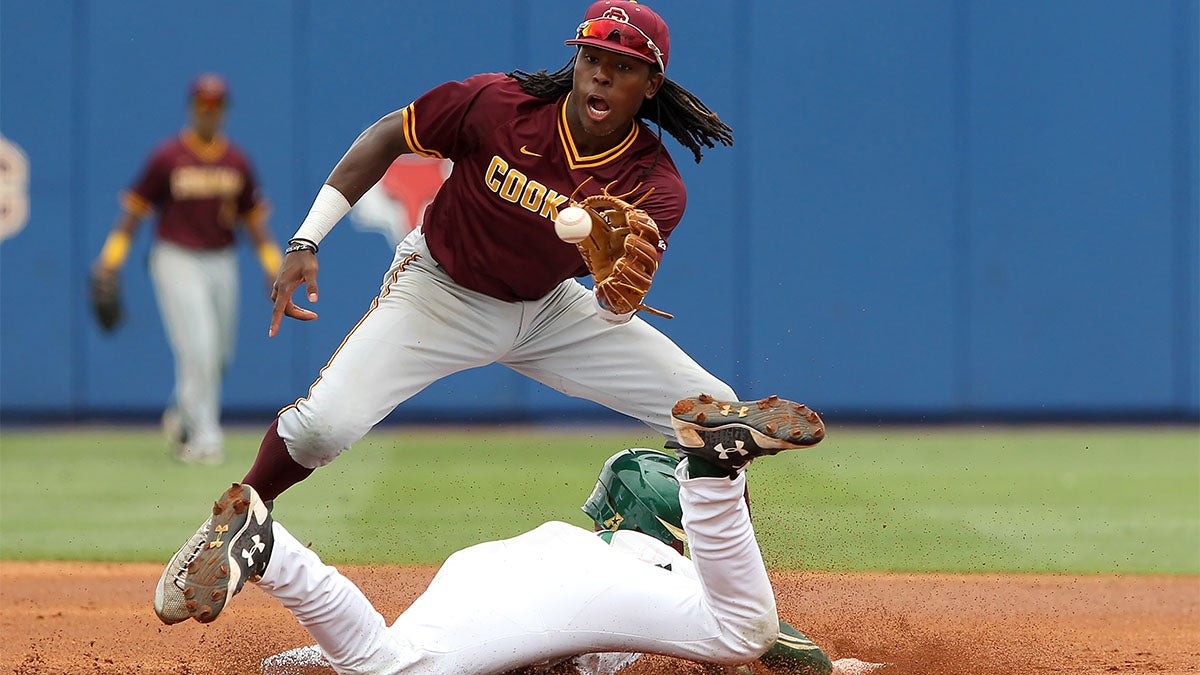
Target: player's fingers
(298, 312)
(281, 297)
(291, 310)
(311, 289)
(281, 303)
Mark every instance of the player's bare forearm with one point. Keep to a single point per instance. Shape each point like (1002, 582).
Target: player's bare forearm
(299, 268)
(360, 168)
(369, 157)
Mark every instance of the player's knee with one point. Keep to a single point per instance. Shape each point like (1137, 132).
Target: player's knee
(313, 455)
(311, 440)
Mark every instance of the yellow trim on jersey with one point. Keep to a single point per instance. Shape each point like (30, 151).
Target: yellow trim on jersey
(577, 161)
(410, 134)
(205, 151)
(135, 204)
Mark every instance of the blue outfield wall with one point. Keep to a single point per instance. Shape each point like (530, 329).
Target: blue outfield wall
(935, 209)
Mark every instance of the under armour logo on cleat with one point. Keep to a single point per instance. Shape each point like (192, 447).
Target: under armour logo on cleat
(723, 452)
(727, 410)
(217, 543)
(248, 553)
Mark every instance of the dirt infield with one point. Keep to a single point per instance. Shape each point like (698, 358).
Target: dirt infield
(59, 617)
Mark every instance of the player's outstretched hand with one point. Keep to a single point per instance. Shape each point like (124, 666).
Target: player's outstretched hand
(298, 268)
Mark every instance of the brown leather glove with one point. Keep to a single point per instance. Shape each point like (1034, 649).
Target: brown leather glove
(621, 253)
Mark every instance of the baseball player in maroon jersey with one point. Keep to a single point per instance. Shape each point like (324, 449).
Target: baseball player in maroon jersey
(485, 279)
(201, 186)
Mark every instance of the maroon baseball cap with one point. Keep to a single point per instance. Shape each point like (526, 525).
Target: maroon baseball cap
(208, 90)
(625, 27)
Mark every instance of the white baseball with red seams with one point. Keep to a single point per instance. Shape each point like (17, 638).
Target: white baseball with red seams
(573, 225)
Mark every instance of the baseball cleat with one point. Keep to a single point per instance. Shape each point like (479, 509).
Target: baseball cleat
(235, 550)
(732, 434)
(169, 603)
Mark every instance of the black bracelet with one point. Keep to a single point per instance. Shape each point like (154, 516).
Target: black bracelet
(300, 245)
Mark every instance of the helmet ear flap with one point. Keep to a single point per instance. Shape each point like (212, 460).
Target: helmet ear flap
(599, 506)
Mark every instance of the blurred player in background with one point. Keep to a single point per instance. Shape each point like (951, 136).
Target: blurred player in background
(201, 186)
(485, 279)
(560, 598)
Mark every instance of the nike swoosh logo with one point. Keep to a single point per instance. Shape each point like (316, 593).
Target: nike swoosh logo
(526, 151)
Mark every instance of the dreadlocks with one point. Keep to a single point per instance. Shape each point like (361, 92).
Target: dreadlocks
(676, 110)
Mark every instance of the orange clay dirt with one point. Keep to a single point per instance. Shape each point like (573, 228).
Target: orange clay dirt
(62, 617)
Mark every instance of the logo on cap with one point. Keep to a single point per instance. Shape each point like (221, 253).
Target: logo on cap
(616, 13)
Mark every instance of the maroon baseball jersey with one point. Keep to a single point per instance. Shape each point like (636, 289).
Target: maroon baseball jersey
(199, 190)
(491, 225)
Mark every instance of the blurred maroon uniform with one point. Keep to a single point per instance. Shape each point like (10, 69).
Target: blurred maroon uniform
(202, 190)
(199, 190)
(515, 165)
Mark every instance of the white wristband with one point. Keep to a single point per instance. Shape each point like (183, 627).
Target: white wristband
(327, 209)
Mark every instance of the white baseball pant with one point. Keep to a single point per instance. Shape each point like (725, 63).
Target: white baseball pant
(547, 595)
(197, 292)
(423, 326)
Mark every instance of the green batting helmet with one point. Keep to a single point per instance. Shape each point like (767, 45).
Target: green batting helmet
(637, 490)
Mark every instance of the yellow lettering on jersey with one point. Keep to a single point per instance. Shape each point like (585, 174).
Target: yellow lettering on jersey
(550, 206)
(497, 167)
(204, 182)
(513, 186)
(532, 195)
(513, 182)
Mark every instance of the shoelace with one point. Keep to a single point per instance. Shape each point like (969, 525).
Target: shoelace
(181, 573)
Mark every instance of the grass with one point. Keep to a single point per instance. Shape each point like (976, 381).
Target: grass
(1005, 499)
(1085, 500)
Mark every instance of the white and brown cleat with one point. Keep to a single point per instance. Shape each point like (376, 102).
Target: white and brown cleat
(236, 549)
(732, 433)
(170, 604)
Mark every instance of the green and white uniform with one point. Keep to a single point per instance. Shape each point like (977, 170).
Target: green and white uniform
(552, 593)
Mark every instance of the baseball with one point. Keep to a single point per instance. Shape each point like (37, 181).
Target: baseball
(573, 225)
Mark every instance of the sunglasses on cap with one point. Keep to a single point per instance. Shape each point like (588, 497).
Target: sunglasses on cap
(628, 36)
